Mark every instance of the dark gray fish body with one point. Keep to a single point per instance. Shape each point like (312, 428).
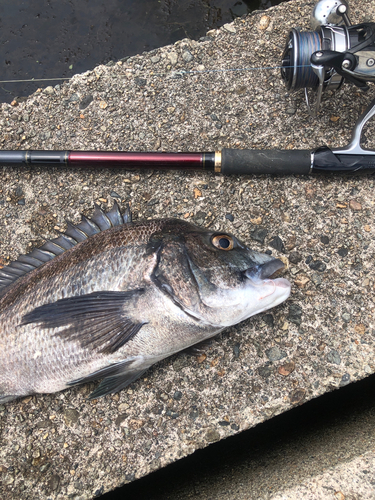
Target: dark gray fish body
(110, 298)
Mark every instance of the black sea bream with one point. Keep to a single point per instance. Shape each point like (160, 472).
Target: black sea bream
(111, 297)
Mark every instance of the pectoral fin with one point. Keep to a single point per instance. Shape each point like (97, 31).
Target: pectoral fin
(97, 320)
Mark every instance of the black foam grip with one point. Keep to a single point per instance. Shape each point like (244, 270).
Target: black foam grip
(268, 161)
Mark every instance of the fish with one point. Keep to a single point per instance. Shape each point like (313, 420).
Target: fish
(111, 297)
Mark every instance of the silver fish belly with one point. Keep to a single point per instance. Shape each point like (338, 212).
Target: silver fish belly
(111, 297)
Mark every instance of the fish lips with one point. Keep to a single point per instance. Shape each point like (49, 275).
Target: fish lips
(265, 271)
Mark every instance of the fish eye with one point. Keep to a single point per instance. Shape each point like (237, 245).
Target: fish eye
(223, 242)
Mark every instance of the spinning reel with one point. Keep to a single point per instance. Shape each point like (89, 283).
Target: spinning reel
(335, 52)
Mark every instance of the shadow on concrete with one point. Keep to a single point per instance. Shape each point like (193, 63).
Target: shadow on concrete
(279, 453)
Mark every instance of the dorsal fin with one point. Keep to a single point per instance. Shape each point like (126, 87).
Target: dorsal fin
(74, 234)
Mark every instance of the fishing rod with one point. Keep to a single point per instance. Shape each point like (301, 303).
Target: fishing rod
(323, 59)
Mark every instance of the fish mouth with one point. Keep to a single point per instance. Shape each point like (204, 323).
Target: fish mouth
(268, 270)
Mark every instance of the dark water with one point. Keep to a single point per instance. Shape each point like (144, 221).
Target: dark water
(52, 39)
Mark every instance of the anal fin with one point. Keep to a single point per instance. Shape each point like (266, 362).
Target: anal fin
(115, 384)
(116, 377)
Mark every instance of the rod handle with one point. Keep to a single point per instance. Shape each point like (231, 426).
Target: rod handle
(268, 161)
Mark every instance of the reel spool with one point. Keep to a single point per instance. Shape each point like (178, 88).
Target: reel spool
(336, 51)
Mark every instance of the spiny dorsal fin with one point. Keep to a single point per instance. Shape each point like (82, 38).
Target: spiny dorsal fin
(74, 234)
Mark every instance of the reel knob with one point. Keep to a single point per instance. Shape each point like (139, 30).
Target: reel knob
(329, 12)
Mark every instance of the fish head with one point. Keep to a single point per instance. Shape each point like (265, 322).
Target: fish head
(215, 277)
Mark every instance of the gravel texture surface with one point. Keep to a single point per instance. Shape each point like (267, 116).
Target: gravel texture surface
(61, 445)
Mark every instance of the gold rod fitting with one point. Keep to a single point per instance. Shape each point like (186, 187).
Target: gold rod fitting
(218, 162)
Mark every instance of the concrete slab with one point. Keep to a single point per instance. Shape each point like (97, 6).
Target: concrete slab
(59, 446)
(322, 449)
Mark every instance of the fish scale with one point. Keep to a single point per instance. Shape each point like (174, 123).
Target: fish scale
(111, 297)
